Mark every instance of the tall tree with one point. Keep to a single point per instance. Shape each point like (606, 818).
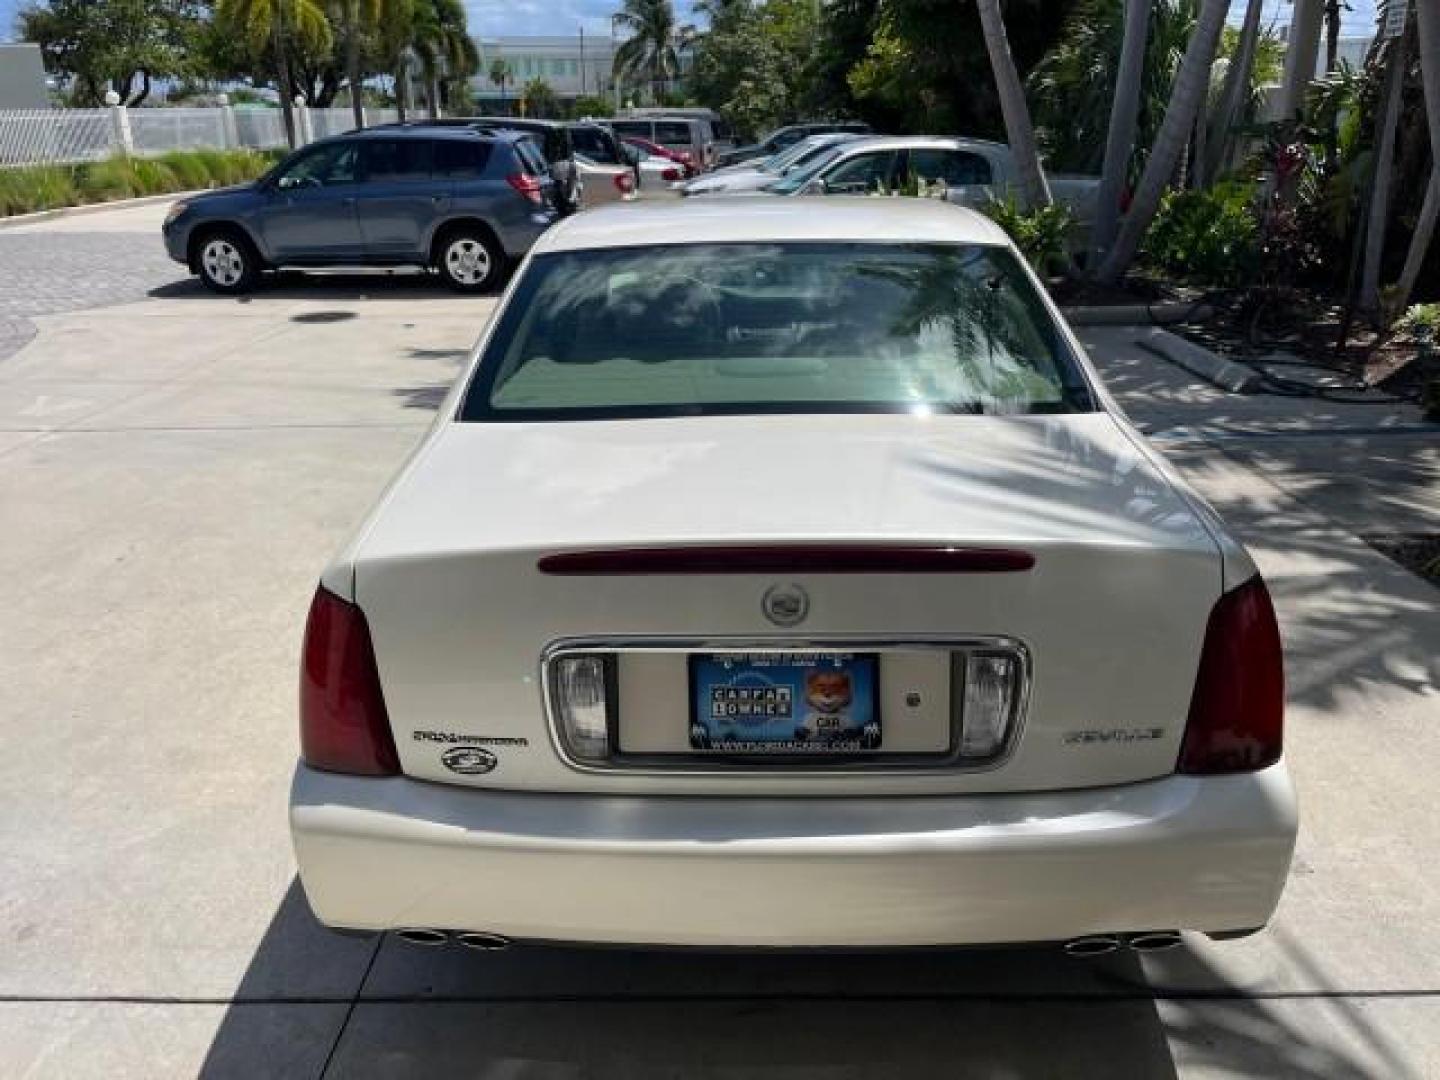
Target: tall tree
(1386, 117)
(1427, 26)
(1237, 83)
(1334, 10)
(1019, 131)
(443, 43)
(355, 18)
(275, 23)
(120, 45)
(1302, 48)
(651, 52)
(396, 35)
(1120, 137)
(500, 74)
(1192, 85)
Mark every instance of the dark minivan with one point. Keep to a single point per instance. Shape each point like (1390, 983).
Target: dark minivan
(462, 201)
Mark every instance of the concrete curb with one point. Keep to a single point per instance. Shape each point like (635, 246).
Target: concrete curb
(1200, 362)
(93, 208)
(1166, 313)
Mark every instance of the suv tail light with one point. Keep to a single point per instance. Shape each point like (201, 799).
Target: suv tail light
(625, 182)
(526, 185)
(1237, 711)
(670, 175)
(343, 723)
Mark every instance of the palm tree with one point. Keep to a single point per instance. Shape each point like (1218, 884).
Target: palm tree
(1427, 25)
(1387, 118)
(444, 45)
(356, 16)
(1018, 130)
(1072, 88)
(1120, 138)
(275, 23)
(1333, 8)
(397, 35)
(1302, 48)
(500, 74)
(651, 52)
(1237, 83)
(1192, 85)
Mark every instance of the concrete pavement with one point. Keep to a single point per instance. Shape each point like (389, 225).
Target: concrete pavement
(176, 469)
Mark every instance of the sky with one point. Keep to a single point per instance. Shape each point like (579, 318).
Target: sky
(496, 18)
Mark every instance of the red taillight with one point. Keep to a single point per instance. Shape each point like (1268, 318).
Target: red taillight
(625, 182)
(670, 175)
(343, 724)
(526, 185)
(1237, 711)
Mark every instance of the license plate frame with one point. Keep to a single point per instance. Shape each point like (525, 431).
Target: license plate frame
(816, 705)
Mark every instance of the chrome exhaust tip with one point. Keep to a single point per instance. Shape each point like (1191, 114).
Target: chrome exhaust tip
(422, 935)
(1154, 941)
(1091, 945)
(476, 939)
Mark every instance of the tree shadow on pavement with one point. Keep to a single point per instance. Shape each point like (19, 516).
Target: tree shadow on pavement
(536, 1012)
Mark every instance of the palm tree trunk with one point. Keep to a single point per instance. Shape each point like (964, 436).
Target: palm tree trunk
(1301, 49)
(1018, 129)
(1419, 244)
(1237, 84)
(1427, 21)
(1197, 151)
(282, 69)
(1192, 84)
(1332, 34)
(1383, 175)
(352, 61)
(1120, 138)
(402, 87)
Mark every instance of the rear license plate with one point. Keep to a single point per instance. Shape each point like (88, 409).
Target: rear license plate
(784, 703)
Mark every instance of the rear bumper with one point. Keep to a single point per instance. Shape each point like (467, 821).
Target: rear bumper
(1180, 852)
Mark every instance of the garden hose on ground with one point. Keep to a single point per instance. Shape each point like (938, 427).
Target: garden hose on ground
(1356, 392)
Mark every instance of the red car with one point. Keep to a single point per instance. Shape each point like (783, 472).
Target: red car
(656, 150)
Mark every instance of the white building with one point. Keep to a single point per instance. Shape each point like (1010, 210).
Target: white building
(571, 66)
(22, 77)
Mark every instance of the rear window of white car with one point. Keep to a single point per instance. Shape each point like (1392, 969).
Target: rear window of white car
(698, 329)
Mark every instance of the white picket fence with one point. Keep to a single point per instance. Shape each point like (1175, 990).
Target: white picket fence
(70, 136)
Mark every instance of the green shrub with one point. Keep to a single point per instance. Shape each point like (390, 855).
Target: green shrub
(42, 187)
(221, 165)
(1042, 235)
(46, 187)
(1209, 237)
(190, 170)
(107, 180)
(153, 177)
(1422, 322)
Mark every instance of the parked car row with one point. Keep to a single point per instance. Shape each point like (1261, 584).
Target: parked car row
(969, 172)
(468, 195)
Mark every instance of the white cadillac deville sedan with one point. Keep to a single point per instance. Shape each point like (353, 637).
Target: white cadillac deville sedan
(780, 574)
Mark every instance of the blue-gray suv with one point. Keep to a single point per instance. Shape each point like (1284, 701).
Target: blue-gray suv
(461, 201)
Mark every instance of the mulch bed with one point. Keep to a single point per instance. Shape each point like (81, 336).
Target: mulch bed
(1418, 554)
(1309, 327)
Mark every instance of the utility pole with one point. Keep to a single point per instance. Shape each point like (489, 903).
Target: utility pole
(582, 59)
